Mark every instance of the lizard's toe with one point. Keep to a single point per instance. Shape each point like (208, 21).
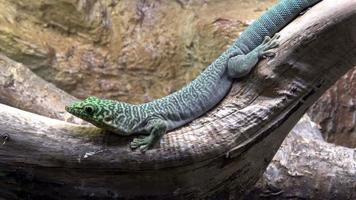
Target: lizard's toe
(267, 47)
(143, 143)
(276, 36)
(266, 40)
(134, 145)
(144, 148)
(273, 45)
(268, 53)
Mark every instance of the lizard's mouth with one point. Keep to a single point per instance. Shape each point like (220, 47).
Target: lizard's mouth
(73, 111)
(80, 112)
(70, 110)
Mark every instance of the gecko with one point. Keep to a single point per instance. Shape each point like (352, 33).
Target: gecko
(151, 120)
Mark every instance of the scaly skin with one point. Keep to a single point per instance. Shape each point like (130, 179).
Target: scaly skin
(155, 118)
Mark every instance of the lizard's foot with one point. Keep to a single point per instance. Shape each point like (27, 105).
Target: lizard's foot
(143, 143)
(265, 49)
(157, 128)
(241, 65)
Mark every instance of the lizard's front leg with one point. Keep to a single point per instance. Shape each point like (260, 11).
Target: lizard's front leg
(240, 65)
(157, 128)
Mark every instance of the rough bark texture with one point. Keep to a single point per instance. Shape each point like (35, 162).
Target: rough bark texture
(336, 111)
(307, 167)
(21, 88)
(220, 155)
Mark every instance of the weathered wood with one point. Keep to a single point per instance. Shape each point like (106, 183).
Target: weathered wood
(307, 167)
(21, 88)
(222, 153)
(335, 111)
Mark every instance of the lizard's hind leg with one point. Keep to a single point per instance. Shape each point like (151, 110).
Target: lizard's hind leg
(240, 65)
(157, 128)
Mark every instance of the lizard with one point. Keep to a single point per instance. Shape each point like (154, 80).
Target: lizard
(153, 119)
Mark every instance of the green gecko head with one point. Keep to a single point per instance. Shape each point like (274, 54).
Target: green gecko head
(100, 112)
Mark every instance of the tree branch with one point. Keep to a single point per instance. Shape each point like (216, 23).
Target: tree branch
(21, 88)
(307, 167)
(222, 153)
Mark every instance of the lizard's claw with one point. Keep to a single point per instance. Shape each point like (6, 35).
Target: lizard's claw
(267, 45)
(268, 53)
(266, 40)
(143, 143)
(144, 148)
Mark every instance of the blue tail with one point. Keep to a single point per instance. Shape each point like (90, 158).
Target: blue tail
(270, 23)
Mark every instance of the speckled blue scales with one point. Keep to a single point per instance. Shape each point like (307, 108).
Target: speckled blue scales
(199, 96)
(270, 23)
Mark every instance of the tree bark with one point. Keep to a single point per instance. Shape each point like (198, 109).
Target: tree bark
(219, 155)
(307, 167)
(21, 88)
(335, 112)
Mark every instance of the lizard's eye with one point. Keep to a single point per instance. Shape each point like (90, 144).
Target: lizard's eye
(89, 110)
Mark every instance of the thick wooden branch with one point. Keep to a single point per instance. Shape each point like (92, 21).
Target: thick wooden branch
(335, 111)
(307, 167)
(21, 88)
(223, 153)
